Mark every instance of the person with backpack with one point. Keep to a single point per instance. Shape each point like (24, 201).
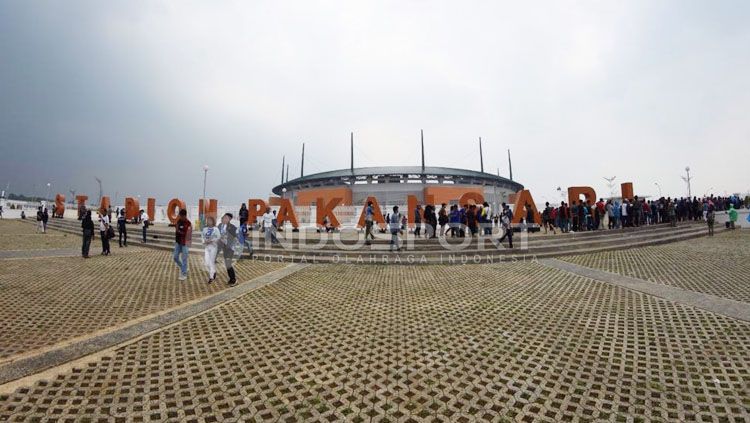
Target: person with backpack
(183, 233)
(228, 245)
(88, 233)
(104, 233)
(210, 238)
(122, 231)
(505, 220)
(394, 225)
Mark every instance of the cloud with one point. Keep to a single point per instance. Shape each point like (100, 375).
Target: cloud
(144, 93)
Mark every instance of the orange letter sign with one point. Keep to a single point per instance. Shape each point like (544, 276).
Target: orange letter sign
(255, 209)
(377, 215)
(132, 208)
(626, 190)
(104, 205)
(59, 205)
(151, 209)
(286, 213)
(81, 200)
(322, 211)
(523, 199)
(471, 198)
(173, 209)
(574, 194)
(209, 210)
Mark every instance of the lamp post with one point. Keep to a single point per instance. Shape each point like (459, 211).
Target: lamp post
(611, 185)
(49, 186)
(201, 213)
(658, 186)
(687, 179)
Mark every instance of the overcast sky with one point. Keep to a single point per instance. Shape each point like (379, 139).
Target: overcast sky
(142, 94)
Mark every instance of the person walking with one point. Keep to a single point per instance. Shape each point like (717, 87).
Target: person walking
(547, 220)
(104, 233)
(505, 219)
(442, 219)
(710, 220)
(122, 231)
(394, 226)
(732, 216)
(210, 237)
(39, 223)
(183, 233)
(146, 222)
(242, 234)
(369, 215)
(417, 220)
(430, 222)
(672, 213)
(228, 245)
(88, 233)
(45, 219)
(268, 228)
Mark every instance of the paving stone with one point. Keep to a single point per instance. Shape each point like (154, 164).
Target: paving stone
(505, 342)
(18, 235)
(44, 301)
(718, 266)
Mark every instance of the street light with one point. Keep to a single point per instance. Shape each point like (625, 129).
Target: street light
(687, 179)
(205, 172)
(201, 213)
(49, 186)
(611, 185)
(658, 186)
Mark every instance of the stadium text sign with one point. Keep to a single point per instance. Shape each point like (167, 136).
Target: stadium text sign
(256, 207)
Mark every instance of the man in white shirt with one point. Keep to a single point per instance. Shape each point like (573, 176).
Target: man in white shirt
(146, 222)
(103, 232)
(268, 228)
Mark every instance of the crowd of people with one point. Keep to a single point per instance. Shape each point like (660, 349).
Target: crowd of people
(468, 220)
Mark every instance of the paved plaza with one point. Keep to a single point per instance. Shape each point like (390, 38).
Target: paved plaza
(512, 341)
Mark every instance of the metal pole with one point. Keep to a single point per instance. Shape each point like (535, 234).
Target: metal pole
(510, 166)
(421, 137)
(351, 143)
(302, 166)
(481, 158)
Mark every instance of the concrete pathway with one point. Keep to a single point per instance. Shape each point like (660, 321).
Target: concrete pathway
(723, 306)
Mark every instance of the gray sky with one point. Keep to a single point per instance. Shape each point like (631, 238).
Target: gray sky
(142, 94)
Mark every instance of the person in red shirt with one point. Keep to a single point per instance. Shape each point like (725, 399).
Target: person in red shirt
(183, 234)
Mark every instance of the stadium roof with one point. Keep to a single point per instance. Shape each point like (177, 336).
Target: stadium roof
(388, 174)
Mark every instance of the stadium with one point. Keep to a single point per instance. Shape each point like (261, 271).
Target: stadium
(391, 185)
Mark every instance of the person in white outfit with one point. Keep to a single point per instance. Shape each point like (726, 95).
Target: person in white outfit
(210, 236)
(268, 228)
